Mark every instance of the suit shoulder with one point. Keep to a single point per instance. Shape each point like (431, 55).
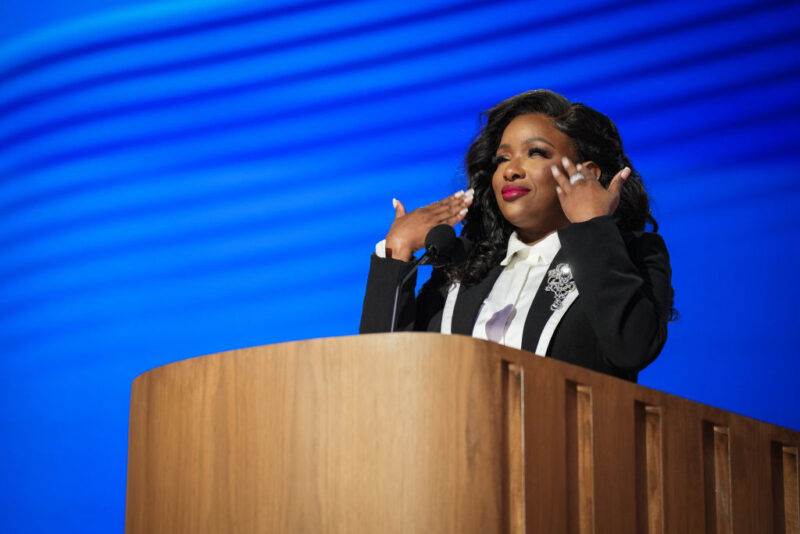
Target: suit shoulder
(645, 242)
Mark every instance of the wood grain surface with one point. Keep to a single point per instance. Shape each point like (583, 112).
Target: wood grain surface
(429, 433)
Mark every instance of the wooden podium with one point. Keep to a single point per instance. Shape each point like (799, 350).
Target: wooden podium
(438, 434)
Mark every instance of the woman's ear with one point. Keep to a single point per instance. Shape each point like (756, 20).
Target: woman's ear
(592, 167)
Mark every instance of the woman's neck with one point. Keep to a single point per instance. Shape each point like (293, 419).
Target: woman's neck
(531, 238)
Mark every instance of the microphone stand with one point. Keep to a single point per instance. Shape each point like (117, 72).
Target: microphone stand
(442, 246)
(422, 261)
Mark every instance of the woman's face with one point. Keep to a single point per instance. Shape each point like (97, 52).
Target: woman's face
(523, 182)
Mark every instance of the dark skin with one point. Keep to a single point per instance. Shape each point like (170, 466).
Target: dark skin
(535, 159)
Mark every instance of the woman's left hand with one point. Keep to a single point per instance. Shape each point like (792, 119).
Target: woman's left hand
(586, 198)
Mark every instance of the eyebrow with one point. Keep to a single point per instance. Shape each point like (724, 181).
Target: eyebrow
(528, 141)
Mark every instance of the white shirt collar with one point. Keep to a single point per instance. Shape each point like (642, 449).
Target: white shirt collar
(542, 252)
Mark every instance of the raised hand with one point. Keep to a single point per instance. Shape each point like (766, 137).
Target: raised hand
(408, 231)
(585, 198)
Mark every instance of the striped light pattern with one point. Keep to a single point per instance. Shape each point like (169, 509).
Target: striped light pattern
(183, 178)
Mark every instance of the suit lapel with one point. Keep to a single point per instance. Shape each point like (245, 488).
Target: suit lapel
(436, 323)
(469, 301)
(540, 310)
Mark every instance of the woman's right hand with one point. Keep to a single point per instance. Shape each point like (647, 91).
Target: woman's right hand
(408, 231)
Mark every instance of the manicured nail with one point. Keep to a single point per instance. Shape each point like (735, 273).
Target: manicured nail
(554, 169)
(579, 167)
(626, 172)
(459, 194)
(470, 191)
(558, 189)
(394, 203)
(463, 211)
(565, 161)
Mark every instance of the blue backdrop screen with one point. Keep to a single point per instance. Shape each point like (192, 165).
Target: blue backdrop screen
(183, 178)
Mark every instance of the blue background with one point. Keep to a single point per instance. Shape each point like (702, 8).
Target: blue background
(184, 178)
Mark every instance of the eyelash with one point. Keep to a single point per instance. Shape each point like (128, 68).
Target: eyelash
(497, 160)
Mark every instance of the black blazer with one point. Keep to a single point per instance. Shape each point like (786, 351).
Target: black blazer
(617, 325)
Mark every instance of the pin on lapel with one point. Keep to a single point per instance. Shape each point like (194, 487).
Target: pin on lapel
(560, 283)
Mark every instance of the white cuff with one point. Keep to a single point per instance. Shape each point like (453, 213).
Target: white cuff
(380, 249)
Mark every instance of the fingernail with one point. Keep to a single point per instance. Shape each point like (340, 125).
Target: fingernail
(579, 167)
(554, 169)
(394, 203)
(565, 161)
(463, 211)
(470, 191)
(558, 189)
(626, 172)
(459, 194)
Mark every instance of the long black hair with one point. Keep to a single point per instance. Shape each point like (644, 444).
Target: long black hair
(594, 137)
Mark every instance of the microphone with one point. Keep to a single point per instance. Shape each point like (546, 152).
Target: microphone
(442, 248)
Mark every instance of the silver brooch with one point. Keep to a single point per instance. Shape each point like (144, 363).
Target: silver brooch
(560, 283)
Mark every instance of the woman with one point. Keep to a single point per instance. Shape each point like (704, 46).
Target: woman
(561, 265)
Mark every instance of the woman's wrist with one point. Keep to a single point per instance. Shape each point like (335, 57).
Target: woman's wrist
(589, 215)
(397, 250)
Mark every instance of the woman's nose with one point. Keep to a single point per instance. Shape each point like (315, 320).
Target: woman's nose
(513, 170)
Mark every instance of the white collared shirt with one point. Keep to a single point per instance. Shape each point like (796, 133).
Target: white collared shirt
(512, 295)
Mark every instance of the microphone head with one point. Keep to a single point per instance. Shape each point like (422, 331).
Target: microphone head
(445, 248)
(440, 240)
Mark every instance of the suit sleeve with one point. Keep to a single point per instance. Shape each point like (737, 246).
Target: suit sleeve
(412, 313)
(625, 285)
(376, 314)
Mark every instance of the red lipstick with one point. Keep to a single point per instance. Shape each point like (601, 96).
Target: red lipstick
(511, 192)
